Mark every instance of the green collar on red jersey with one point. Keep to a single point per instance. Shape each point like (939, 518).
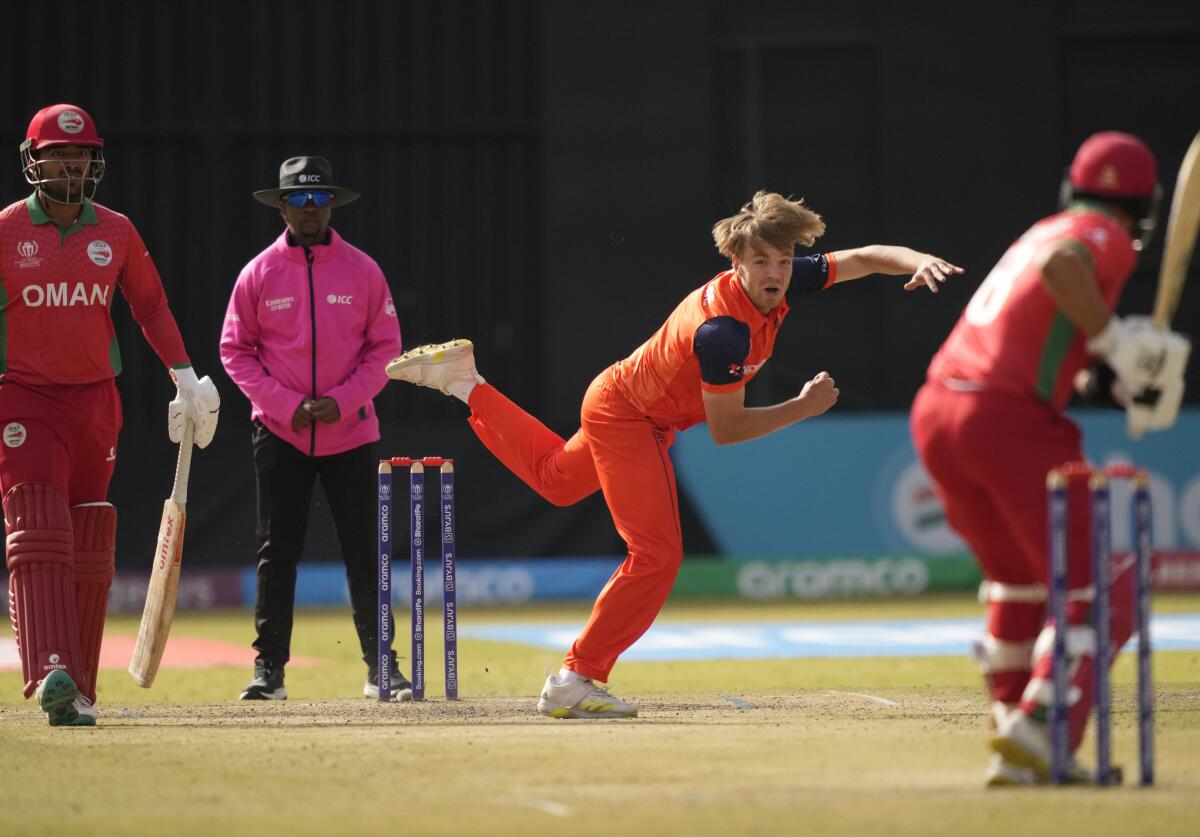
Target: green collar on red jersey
(1081, 205)
(38, 215)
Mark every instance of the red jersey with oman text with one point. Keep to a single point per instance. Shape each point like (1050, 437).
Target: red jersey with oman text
(715, 340)
(56, 289)
(1011, 338)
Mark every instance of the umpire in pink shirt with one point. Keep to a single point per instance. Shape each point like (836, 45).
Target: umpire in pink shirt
(308, 331)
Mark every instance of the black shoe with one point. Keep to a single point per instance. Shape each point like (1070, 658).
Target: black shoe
(266, 685)
(400, 688)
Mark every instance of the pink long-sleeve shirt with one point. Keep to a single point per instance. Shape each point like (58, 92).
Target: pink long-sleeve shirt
(298, 329)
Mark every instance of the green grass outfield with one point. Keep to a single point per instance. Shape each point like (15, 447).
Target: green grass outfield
(725, 747)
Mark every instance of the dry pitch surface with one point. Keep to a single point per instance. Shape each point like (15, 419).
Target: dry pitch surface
(871, 746)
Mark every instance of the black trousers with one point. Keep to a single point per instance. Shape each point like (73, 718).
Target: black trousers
(285, 479)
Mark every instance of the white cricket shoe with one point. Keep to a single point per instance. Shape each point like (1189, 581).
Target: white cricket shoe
(581, 698)
(1004, 774)
(448, 367)
(1024, 742)
(87, 712)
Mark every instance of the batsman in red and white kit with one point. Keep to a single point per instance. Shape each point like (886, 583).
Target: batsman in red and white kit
(61, 258)
(988, 425)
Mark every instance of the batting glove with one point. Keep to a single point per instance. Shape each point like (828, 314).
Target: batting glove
(195, 399)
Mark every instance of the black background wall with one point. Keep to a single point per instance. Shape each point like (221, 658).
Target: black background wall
(542, 178)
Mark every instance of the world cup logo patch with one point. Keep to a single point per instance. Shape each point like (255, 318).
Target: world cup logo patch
(27, 252)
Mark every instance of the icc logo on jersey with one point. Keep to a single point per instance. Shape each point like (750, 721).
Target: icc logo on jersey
(100, 253)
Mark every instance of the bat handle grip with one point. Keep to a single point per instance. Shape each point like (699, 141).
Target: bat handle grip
(184, 464)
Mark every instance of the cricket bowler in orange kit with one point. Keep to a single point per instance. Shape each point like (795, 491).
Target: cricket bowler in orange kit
(61, 258)
(694, 368)
(988, 425)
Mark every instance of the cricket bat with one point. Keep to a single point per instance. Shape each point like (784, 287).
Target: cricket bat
(1181, 237)
(159, 612)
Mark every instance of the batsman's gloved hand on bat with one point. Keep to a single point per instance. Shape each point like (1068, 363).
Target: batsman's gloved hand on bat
(195, 399)
(1155, 408)
(1098, 387)
(1141, 354)
(1149, 363)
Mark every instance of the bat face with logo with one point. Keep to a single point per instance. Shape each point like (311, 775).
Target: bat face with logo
(1181, 237)
(161, 595)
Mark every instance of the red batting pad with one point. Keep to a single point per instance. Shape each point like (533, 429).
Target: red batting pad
(95, 528)
(41, 563)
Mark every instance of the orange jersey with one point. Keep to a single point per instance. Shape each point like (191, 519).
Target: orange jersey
(56, 292)
(715, 340)
(1012, 338)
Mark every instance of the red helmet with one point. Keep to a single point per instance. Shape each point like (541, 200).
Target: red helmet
(1117, 168)
(1113, 164)
(62, 125)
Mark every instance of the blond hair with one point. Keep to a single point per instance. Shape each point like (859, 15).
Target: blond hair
(772, 219)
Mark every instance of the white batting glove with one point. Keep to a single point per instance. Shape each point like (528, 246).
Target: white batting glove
(1157, 407)
(195, 399)
(1141, 417)
(1141, 354)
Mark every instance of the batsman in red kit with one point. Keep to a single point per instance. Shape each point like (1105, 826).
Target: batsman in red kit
(694, 368)
(988, 425)
(61, 258)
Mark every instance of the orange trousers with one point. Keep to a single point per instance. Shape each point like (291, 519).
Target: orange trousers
(623, 454)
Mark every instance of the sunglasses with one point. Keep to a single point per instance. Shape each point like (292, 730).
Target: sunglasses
(299, 200)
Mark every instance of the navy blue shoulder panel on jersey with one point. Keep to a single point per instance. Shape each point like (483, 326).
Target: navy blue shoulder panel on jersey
(722, 344)
(809, 274)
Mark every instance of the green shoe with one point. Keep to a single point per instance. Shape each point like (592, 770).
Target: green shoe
(56, 695)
